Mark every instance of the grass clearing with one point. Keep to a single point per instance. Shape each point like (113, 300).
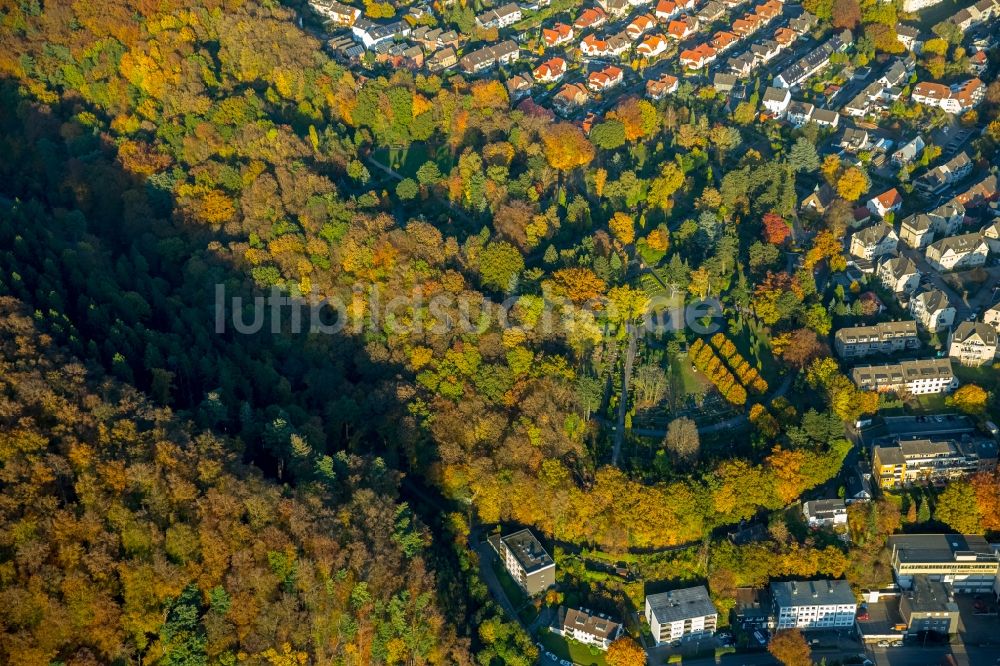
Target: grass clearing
(575, 651)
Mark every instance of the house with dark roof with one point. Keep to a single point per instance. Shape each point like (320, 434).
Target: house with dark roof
(587, 626)
(524, 558)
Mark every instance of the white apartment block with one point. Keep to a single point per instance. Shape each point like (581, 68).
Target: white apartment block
(814, 604)
(680, 613)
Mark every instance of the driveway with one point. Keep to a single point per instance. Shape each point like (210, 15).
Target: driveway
(486, 557)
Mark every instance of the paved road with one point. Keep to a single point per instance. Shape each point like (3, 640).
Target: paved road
(486, 556)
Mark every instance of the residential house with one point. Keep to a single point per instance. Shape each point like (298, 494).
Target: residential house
(681, 29)
(981, 193)
(337, 13)
(524, 558)
(947, 218)
(518, 86)
(661, 87)
(825, 118)
(722, 41)
(594, 46)
(667, 10)
(679, 613)
(558, 35)
(813, 605)
(888, 202)
(873, 242)
(742, 65)
(609, 77)
(965, 562)
(587, 627)
(918, 377)
(958, 252)
(698, 57)
(570, 96)
(785, 37)
(895, 75)
(803, 23)
(820, 199)
(488, 57)
(899, 274)
(501, 17)
(776, 101)
(639, 26)
(991, 316)
(443, 59)
(944, 175)
(652, 46)
(916, 230)
(933, 310)
(550, 70)
(909, 37)
(956, 99)
(908, 152)
(399, 55)
(991, 232)
(855, 140)
(883, 338)
(924, 460)
(858, 487)
(825, 512)
(590, 18)
(978, 62)
(615, 8)
(799, 113)
(435, 38)
(724, 83)
(712, 11)
(973, 343)
(765, 51)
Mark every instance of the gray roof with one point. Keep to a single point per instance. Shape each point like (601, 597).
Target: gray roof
(824, 116)
(918, 222)
(584, 620)
(885, 330)
(907, 30)
(967, 329)
(962, 243)
(813, 593)
(873, 234)
(773, 94)
(682, 604)
(930, 596)
(824, 506)
(939, 547)
(528, 550)
(899, 267)
(934, 300)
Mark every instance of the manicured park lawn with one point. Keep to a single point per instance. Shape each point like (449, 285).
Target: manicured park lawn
(576, 652)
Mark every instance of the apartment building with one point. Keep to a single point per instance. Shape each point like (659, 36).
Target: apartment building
(929, 606)
(587, 626)
(926, 460)
(339, 14)
(501, 17)
(873, 242)
(992, 316)
(813, 604)
(490, 56)
(943, 175)
(920, 377)
(681, 613)
(933, 310)
(526, 561)
(973, 343)
(958, 252)
(966, 562)
(886, 337)
(813, 61)
(898, 274)
(955, 99)
(917, 230)
(826, 512)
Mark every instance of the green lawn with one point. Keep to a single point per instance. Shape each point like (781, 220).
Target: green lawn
(576, 652)
(408, 159)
